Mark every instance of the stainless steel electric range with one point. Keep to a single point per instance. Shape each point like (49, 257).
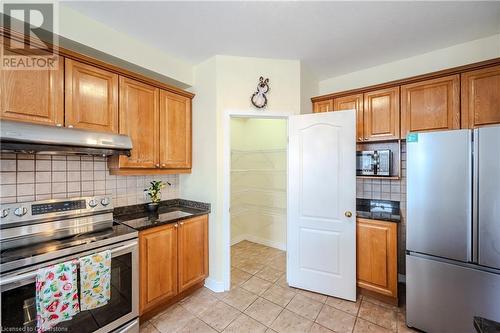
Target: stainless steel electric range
(38, 234)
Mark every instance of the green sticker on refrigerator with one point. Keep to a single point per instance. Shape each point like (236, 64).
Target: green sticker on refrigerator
(412, 137)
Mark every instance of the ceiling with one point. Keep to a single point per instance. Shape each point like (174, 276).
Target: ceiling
(331, 38)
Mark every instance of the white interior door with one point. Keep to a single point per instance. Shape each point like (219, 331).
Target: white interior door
(321, 240)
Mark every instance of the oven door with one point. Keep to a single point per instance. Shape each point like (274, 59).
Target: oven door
(18, 295)
(365, 163)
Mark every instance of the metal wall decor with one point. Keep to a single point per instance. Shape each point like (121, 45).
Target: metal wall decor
(259, 98)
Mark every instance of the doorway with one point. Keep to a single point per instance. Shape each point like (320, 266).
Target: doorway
(258, 201)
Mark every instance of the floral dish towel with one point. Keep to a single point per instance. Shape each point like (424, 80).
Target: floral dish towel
(56, 294)
(95, 280)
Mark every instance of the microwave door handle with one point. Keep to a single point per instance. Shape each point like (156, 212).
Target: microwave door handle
(32, 274)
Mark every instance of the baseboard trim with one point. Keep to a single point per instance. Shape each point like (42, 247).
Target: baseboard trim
(215, 286)
(258, 240)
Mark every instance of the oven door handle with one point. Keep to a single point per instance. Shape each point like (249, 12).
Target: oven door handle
(32, 274)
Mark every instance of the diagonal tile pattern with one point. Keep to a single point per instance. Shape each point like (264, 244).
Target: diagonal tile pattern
(260, 300)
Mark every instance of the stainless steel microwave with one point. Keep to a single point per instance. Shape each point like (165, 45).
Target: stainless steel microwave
(373, 162)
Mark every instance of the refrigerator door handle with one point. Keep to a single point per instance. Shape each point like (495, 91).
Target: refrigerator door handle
(475, 191)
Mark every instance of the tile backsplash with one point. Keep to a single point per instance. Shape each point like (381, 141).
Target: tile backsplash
(394, 190)
(26, 177)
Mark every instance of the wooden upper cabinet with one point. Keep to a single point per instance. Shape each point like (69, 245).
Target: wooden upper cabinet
(91, 97)
(35, 96)
(377, 256)
(381, 115)
(481, 97)
(430, 105)
(193, 251)
(175, 131)
(139, 117)
(348, 103)
(323, 106)
(158, 266)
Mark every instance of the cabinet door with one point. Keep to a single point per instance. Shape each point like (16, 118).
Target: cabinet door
(323, 106)
(91, 97)
(175, 131)
(348, 103)
(430, 105)
(139, 117)
(35, 96)
(481, 97)
(158, 266)
(381, 115)
(377, 256)
(193, 251)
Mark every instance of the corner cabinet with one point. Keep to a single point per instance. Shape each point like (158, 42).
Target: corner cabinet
(430, 105)
(173, 260)
(376, 243)
(91, 97)
(481, 97)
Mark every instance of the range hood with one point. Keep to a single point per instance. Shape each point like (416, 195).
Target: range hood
(21, 137)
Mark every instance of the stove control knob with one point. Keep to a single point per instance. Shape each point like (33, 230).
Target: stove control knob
(105, 201)
(5, 212)
(92, 203)
(20, 211)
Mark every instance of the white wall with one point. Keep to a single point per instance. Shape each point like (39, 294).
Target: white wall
(457, 55)
(89, 32)
(223, 85)
(258, 181)
(309, 87)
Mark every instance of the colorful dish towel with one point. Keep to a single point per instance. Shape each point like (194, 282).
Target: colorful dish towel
(95, 280)
(56, 294)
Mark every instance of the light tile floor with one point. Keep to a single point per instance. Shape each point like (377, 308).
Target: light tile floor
(260, 300)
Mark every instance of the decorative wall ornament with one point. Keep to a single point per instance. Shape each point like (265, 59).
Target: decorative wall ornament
(259, 98)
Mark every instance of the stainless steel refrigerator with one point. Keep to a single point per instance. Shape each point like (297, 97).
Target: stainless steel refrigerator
(453, 229)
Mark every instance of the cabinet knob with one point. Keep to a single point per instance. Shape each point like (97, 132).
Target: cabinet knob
(5, 212)
(348, 214)
(176, 225)
(157, 165)
(182, 223)
(163, 165)
(70, 126)
(59, 125)
(360, 139)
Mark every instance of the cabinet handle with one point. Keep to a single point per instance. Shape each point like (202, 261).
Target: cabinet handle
(157, 165)
(70, 126)
(59, 125)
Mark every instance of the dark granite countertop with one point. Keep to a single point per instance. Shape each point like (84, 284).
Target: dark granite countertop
(483, 325)
(170, 211)
(373, 209)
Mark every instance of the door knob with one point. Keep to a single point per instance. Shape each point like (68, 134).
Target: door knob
(348, 214)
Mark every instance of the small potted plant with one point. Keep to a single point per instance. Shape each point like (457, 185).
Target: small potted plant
(154, 193)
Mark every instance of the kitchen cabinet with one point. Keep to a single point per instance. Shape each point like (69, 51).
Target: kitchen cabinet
(91, 97)
(173, 260)
(431, 105)
(158, 266)
(193, 251)
(352, 102)
(35, 96)
(139, 119)
(323, 106)
(175, 131)
(381, 115)
(376, 243)
(481, 97)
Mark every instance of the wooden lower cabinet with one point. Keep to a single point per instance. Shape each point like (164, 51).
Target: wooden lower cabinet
(173, 258)
(376, 247)
(158, 266)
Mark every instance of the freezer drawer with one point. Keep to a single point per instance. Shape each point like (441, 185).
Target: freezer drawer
(443, 297)
(439, 194)
(488, 193)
